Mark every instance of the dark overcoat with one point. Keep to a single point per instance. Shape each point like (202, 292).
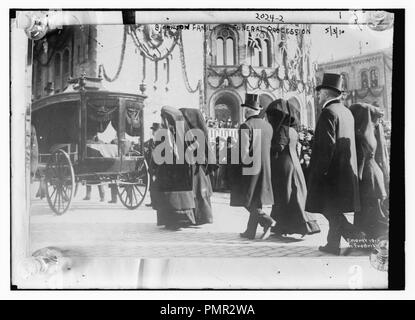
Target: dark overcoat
(254, 190)
(333, 183)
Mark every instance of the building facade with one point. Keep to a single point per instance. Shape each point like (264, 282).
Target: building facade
(366, 78)
(199, 66)
(272, 61)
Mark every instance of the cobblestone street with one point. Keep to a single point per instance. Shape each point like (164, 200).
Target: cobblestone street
(98, 229)
(112, 247)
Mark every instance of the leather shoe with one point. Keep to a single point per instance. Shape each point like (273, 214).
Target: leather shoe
(267, 223)
(331, 250)
(247, 235)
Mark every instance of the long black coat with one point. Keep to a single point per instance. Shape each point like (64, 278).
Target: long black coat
(254, 190)
(333, 185)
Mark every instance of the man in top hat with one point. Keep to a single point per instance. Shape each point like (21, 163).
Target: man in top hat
(149, 146)
(332, 182)
(254, 190)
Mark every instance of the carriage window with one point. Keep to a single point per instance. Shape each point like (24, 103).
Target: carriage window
(65, 69)
(101, 129)
(57, 72)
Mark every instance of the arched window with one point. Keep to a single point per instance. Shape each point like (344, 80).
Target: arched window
(226, 41)
(65, 69)
(344, 83)
(220, 59)
(374, 78)
(266, 53)
(364, 80)
(260, 53)
(260, 50)
(230, 61)
(57, 73)
(255, 59)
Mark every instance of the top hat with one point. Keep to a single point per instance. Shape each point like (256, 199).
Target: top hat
(331, 81)
(251, 101)
(155, 126)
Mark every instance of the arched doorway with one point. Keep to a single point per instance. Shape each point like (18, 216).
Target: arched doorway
(226, 105)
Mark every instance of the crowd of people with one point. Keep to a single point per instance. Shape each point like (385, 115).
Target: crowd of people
(340, 167)
(215, 123)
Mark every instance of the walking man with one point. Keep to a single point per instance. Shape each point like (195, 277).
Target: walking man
(333, 183)
(149, 146)
(254, 190)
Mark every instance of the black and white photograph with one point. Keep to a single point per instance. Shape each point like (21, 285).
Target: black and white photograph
(205, 149)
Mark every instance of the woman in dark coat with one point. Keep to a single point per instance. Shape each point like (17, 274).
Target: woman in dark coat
(373, 170)
(173, 183)
(288, 181)
(202, 187)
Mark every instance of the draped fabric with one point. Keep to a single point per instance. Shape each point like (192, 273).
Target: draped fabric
(375, 92)
(102, 112)
(202, 188)
(173, 186)
(133, 118)
(382, 155)
(281, 115)
(288, 182)
(373, 169)
(194, 120)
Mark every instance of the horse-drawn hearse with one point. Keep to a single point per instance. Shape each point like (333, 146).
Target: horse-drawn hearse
(68, 125)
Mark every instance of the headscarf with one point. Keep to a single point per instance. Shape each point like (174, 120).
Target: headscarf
(382, 154)
(195, 120)
(368, 136)
(281, 115)
(175, 134)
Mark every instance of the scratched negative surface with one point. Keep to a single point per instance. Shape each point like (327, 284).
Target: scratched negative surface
(96, 89)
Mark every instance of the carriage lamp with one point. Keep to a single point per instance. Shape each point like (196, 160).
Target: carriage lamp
(143, 88)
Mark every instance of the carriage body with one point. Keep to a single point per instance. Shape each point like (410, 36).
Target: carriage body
(67, 126)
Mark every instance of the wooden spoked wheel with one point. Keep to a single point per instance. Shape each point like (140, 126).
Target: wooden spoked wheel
(133, 186)
(60, 182)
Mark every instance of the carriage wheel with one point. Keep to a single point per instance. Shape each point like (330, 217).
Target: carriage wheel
(132, 188)
(60, 182)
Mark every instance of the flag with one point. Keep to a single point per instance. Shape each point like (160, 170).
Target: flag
(253, 43)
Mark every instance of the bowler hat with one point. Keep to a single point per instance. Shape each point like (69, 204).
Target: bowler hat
(251, 101)
(331, 81)
(155, 126)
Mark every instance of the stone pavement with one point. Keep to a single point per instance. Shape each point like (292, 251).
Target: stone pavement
(98, 229)
(108, 246)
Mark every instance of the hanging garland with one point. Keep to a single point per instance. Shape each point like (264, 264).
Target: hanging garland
(263, 77)
(120, 65)
(361, 94)
(184, 72)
